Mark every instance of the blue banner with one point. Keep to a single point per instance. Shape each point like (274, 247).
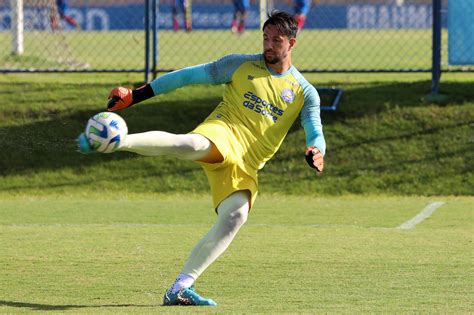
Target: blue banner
(461, 32)
(131, 17)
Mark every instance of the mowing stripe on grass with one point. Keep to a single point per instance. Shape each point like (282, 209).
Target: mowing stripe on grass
(424, 214)
(165, 225)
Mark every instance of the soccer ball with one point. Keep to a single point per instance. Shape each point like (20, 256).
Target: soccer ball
(105, 131)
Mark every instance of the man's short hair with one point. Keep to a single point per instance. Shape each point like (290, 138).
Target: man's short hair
(285, 23)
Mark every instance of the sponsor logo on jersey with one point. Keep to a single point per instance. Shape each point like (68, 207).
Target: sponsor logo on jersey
(259, 66)
(288, 95)
(261, 106)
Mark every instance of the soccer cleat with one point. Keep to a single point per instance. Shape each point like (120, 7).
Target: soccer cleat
(241, 28)
(187, 25)
(187, 296)
(234, 26)
(175, 24)
(83, 145)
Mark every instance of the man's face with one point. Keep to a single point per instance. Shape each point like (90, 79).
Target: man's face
(276, 46)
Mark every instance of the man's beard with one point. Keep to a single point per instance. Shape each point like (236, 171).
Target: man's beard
(272, 60)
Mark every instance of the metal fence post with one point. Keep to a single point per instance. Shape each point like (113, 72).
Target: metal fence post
(17, 21)
(147, 40)
(154, 4)
(436, 67)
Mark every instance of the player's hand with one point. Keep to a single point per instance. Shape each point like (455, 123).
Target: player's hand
(315, 158)
(119, 98)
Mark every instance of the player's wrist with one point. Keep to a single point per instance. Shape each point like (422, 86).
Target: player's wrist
(142, 93)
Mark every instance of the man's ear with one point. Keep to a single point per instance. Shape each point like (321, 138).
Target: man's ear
(292, 42)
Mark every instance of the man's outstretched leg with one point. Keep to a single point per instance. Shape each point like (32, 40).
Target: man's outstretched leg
(193, 147)
(232, 214)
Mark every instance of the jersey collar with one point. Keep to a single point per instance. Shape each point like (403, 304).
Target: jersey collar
(279, 75)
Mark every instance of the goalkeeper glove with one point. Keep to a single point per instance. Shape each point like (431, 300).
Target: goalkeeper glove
(122, 97)
(119, 98)
(314, 158)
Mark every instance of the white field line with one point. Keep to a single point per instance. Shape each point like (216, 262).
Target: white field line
(424, 214)
(420, 217)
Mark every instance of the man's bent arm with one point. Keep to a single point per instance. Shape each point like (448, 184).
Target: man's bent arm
(311, 121)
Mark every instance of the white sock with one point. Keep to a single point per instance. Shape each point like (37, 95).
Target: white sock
(153, 143)
(232, 214)
(182, 281)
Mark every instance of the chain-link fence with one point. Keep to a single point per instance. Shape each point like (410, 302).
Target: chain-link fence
(82, 35)
(108, 35)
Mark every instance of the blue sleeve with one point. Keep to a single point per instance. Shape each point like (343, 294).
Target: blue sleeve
(311, 120)
(216, 72)
(310, 115)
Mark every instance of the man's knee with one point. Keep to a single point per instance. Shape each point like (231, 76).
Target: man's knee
(238, 217)
(234, 209)
(192, 146)
(198, 143)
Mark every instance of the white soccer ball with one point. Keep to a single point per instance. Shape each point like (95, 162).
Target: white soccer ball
(105, 131)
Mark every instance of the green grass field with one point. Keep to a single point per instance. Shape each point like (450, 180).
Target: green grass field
(97, 254)
(108, 233)
(319, 49)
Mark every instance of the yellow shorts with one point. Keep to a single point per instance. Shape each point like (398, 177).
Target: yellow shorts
(230, 175)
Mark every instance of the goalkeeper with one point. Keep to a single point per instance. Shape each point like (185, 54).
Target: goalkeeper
(264, 94)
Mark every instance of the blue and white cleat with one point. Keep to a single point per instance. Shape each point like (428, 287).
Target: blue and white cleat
(185, 297)
(83, 145)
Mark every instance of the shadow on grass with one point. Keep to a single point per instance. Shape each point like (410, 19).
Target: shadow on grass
(49, 144)
(46, 142)
(366, 99)
(48, 307)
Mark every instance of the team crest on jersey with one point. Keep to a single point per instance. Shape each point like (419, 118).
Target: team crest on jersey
(288, 95)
